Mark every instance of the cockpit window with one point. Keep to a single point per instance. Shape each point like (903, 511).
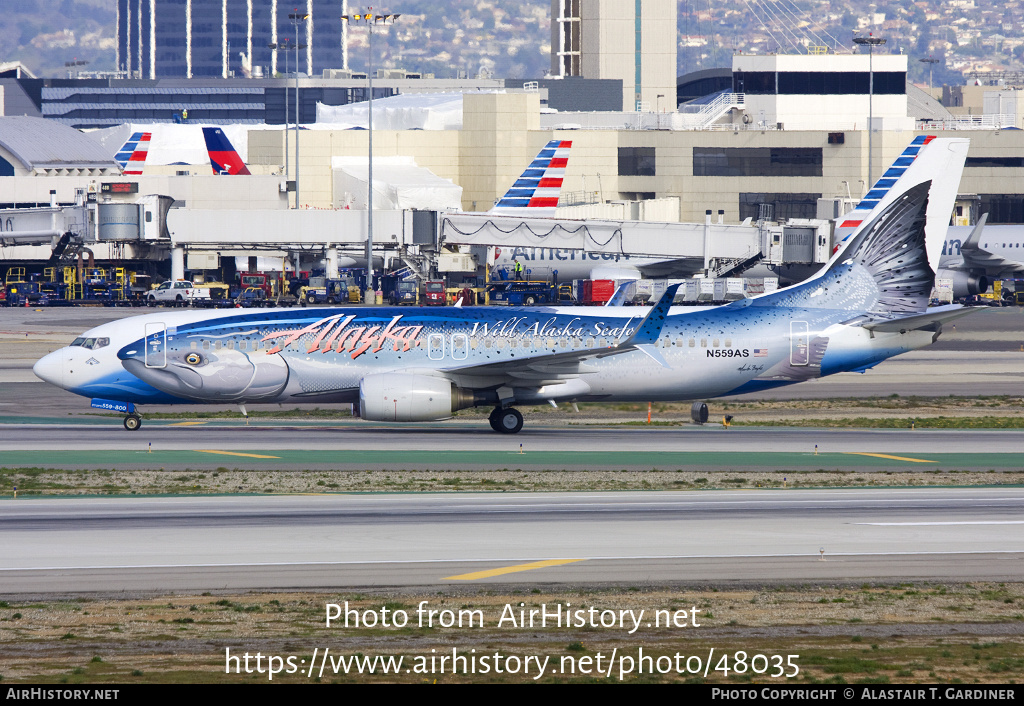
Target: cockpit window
(91, 343)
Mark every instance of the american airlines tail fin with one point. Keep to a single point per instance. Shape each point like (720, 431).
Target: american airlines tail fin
(894, 180)
(881, 272)
(536, 191)
(223, 157)
(133, 153)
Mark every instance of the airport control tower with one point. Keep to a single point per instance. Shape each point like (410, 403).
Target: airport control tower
(632, 40)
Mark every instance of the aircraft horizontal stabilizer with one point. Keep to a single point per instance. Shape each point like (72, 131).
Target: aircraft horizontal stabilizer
(931, 320)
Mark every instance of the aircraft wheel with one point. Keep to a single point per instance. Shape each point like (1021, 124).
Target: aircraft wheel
(493, 419)
(132, 422)
(509, 421)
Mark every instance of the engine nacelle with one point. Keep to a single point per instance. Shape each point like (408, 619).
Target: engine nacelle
(965, 284)
(402, 397)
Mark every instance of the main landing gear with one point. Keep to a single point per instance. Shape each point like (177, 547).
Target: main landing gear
(506, 420)
(132, 422)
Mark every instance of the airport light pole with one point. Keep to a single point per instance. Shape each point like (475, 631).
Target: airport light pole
(296, 18)
(284, 45)
(370, 19)
(871, 42)
(931, 61)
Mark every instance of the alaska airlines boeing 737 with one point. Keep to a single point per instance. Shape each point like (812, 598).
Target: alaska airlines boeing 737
(869, 303)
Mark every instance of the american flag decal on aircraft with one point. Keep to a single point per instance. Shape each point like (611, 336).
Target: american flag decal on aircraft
(536, 191)
(132, 155)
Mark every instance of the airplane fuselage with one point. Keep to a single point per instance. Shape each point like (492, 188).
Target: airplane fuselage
(323, 355)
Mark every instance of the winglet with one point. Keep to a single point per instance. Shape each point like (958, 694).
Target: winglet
(975, 237)
(650, 328)
(620, 294)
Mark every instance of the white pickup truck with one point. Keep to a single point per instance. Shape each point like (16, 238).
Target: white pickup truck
(178, 293)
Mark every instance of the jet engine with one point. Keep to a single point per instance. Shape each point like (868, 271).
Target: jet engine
(403, 397)
(965, 284)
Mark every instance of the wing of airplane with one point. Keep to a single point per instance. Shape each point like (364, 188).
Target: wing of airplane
(559, 366)
(133, 153)
(536, 191)
(223, 157)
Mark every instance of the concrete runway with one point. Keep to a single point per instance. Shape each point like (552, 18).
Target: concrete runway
(473, 446)
(111, 544)
(116, 544)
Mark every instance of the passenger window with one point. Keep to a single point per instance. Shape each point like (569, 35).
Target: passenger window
(206, 345)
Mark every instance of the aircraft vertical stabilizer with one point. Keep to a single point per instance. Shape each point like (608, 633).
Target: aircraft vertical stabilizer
(223, 157)
(882, 270)
(536, 191)
(915, 164)
(133, 153)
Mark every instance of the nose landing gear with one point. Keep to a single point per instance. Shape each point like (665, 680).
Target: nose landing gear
(132, 422)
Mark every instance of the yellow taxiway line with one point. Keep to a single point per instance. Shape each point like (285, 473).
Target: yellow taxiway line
(510, 569)
(233, 453)
(186, 424)
(895, 458)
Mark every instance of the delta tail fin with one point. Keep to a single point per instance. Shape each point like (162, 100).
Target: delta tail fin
(536, 191)
(223, 157)
(133, 153)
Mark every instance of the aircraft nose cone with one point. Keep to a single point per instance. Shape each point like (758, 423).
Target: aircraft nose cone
(50, 368)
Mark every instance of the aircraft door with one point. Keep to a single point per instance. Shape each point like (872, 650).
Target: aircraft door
(156, 345)
(435, 346)
(799, 343)
(460, 346)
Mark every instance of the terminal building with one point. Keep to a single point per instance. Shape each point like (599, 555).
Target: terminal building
(777, 138)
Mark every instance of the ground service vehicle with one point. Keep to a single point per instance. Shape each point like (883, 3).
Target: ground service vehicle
(434, 293)
(400, 291)
(523, 293)
(252, 297)
(177, 293)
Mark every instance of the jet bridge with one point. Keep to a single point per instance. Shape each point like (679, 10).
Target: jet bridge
(714, 247)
